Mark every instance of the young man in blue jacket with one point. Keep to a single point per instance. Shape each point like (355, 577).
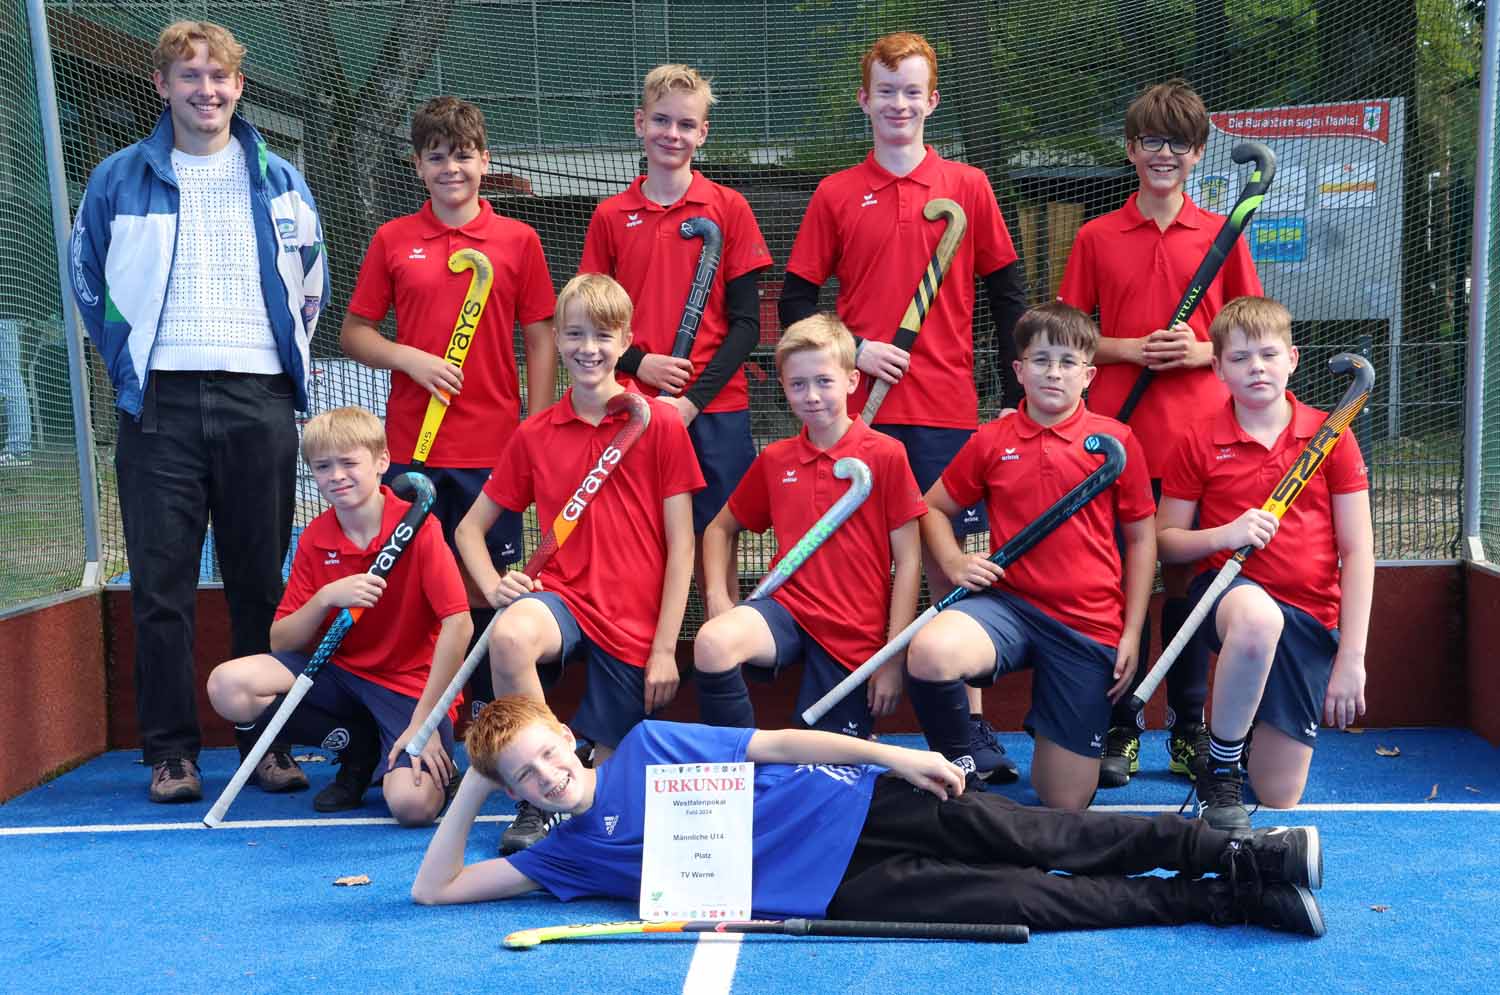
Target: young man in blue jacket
(199, 268)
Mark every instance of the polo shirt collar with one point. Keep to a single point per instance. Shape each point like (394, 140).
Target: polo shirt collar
(1191, 215)
(634, 197)
(877, 176)
(335, 538)
(433, 226)
(1227, 430)
(806, 452)
(563, 411)
(1070, 428)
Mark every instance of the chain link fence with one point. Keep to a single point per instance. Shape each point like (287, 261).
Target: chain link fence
(1370, 105)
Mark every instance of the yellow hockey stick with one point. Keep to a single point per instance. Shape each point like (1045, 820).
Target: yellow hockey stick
(458, 344)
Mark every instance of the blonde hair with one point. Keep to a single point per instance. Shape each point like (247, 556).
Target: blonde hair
(1257, 317)
(674, 77)
(177, 39)
(340, 430)
(605, 303)
(823, 332)
(497, 726)
(891, 49)
(1062, 324)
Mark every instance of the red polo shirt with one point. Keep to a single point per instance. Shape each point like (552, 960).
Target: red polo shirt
(865, 226)
(1225, 471)
(610, 570)
(393, 641)
(1020, 469)
(636, 241)
(841, 595)
(407, 264)
(1135, 274)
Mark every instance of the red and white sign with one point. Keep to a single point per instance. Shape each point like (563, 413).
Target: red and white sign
(1369, 119)
(697, 852)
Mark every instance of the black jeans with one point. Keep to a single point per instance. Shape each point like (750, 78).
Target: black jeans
(983, 858)
(207, 445)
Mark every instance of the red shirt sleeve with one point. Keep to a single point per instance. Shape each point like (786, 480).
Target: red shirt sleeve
(992, 245)
(964, 479)
(1077, 287)
(903, 499)
(815, 252)
(1183, 476)
(512, 483)
(299, 584)
(676, 459)
(374, 290)
(1133, 500)
(750, 504)
(535, 300)
(598, 253)
(744, 246)
(1346, 470)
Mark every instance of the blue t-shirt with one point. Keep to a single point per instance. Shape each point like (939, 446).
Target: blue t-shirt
(807, 819)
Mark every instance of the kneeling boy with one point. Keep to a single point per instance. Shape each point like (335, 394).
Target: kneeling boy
(392, 666)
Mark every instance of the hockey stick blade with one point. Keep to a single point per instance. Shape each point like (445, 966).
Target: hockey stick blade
(464, 328)
(847, 468)
(976, 932)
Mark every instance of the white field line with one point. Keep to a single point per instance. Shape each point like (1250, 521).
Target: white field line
(712, 969)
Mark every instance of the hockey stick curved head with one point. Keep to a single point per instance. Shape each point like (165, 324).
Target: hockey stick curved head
(856, 470)
(1265, 165)
(414, 487)
(472, 259)
(942, 207)
(704, 228)
(633, 404)
(1361, 368)
(1110, 447)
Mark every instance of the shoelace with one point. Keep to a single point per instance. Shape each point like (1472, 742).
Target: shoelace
(1119, 745)
(176, 768)
(982, 734)
(1247, 895)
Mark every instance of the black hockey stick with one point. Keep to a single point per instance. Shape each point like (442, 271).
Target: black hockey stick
(703, 281)
(980, 932)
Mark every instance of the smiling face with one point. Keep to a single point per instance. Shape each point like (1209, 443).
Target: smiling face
(1255, 370)
(350, 477)
(1053, 377)
(672, 127)
(539, 766)
(899, 101)
(589, 353)
(452, 175)
(1163, 172)
(201, 95)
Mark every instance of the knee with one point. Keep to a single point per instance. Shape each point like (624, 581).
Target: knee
(1072, 797)
(1254, 630)
(1283, 790)
(221, 687)
(716, 648)
(936, 655)
(514, 643)
(412, 806)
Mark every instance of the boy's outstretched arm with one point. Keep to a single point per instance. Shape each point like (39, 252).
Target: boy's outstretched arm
(926, 770)
(1345, 699)
(443, 879)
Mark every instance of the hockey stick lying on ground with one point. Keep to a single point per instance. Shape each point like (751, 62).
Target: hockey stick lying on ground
(464, 328)
(639, 410)
(1301, 471)
(411, 486)
(703, 282)
(921, 301)
(1238, 219)
(979, 932)
(847, 468)
(1035, 531)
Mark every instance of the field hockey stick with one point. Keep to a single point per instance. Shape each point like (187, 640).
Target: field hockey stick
(703, 281)
(419, 489)
(464, 328)
(1035, 531)
(978, 932)
(639, 411)
(921, 301)
(1250, 198)
(1291, 484)
(847, 468)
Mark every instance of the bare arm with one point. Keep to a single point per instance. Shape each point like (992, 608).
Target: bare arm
(1345, 700)
(1140, 576)
(883, 691)
(361, 340)
(447, 657)
(1178, 542)
(443, 879)
(718, 542)
(661, 667)
(926, 770)
(970, 570)
(295, 632)
(469, 538)
(541, 365)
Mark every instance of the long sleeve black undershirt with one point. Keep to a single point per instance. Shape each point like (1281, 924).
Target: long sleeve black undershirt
(742, 307)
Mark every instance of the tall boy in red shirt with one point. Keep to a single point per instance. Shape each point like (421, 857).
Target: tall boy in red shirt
(1133, 265)
(390, 669)
(1069, 609)
(864, 225)
(615, 592)
(844, 601)
(1290, 631)
(633, 236)
(406, 266)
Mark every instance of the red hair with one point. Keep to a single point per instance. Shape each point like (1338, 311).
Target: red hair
(891, 49)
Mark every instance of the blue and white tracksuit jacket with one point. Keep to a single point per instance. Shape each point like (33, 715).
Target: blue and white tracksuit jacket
(125, 242)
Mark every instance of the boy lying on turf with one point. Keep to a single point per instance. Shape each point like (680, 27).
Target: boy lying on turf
(848, 828)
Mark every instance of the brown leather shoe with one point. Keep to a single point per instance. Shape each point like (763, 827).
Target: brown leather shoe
(278, 772)
(175, 779)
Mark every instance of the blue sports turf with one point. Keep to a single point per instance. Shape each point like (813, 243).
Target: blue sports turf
(124, 903)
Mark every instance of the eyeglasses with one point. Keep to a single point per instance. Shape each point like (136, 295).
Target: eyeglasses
(1154, 143)
(1042, 365)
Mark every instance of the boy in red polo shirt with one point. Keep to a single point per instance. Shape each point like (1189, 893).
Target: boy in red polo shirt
(844, 602)
(1133, 266)
(633, 236)
(615, 592)
(391, 668)
(1069, 609)
(1290, 630)
(864, 226)
(406, 266)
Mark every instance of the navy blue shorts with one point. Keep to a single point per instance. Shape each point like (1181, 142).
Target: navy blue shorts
(820, 672)
(456, 488)
(615, 699)
(1072, 673)
(1298, 682)
(338, 696)
(725, 451)
(929, 451)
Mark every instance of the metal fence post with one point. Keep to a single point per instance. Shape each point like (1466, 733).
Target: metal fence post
(1479, 292)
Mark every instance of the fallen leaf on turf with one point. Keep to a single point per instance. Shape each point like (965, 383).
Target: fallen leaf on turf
(310, 758)
(1470, 787)
(1354, 732)
(352, 880)
(1387, 751)
(1431, 796)
(1381, 908)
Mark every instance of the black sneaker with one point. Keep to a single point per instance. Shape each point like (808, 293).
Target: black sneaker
(991, 762)
(1288, 907)
(1122, 756)
(1220, 790)
(1189, 740)
(530, 827)
(348, 788)
(1293, 855)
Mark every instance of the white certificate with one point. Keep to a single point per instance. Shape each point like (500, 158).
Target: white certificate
(695, 863)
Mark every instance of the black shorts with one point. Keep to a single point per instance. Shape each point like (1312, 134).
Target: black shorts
(615, 700)
(929, 451)
(456, 488)
(820, 672)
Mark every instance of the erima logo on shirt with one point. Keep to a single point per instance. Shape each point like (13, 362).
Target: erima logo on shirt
(631, 220)
(790, 477)
(1224, 454)
(418, 254)
(869, 201)
(1010, 454)
(333, 558)
(610, 821)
